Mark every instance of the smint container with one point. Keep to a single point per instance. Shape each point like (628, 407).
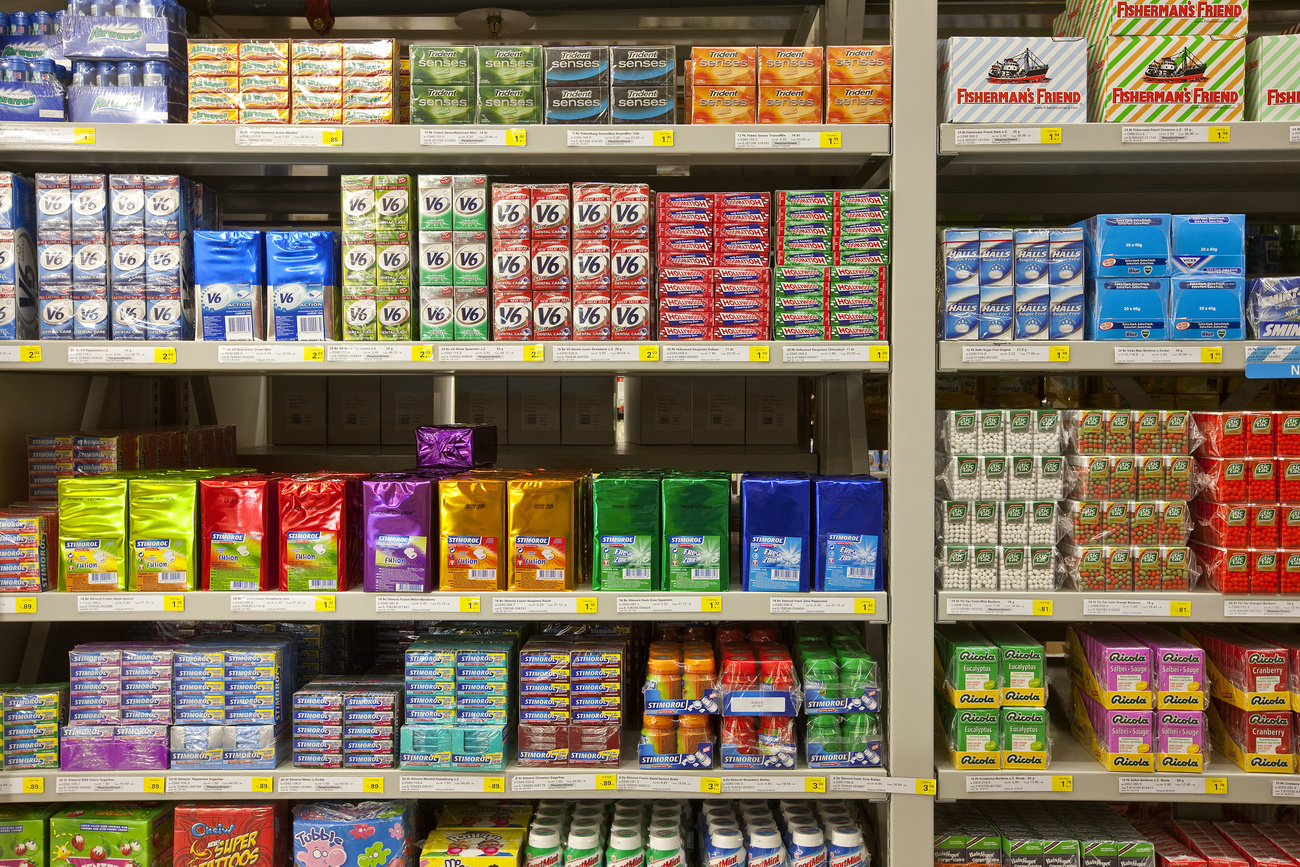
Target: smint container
(775, 521)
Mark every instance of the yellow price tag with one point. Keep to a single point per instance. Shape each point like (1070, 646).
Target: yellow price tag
(173, 603)
(1216, 785)
(262, 785)
(711, 604)
(814, 785)
(606, 782)
(517, 138)
(372, 785)
(648, 353)
(534, 352)
(331, 137)
(1059, 354)
(586, 605)
(25, 605)
(759, 354)
(164, 355)
(83, 135)
(831, 140)
(1211, 355)
(154, 785)
(325, 603)
(663, 138)
(927, 787)
(313, 353)
(494, 785)
(864, 606)
(1062, 784)
(710, 785)
(1220, 134)
(1180, 608)
(33, 785)
(470, 605)
(29, 354)
(1049, 135)
(1042, 608)
(422, 353)
(879, 353)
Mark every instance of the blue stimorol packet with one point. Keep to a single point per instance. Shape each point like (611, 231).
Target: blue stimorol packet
(775, 519)
(848, 523)
(302, 284)
(228, 274)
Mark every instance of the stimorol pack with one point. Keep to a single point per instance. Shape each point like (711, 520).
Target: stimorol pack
(1167, 79)
(1273, 78)
(17, 258)
(1014, 79)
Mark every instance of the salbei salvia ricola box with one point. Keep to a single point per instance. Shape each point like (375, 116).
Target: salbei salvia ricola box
(1273, 78)
(1014, 79)
(1168, 79)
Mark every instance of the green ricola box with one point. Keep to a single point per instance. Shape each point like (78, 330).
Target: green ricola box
(503, 104)
(443, 104)
(1022, 664)
(510, 64)
(1024, 729)
(442, 65)
(968, 660)
(625, 521)
(696, 526)
(24, 833)
(970, 730)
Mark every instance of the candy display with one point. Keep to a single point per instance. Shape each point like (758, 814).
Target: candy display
(26, 832)
(969, 832)
(141, 832)
(347, 723)
(378, 257)
(251, 832)
(575, 722)
(30, 724)
(371, 833)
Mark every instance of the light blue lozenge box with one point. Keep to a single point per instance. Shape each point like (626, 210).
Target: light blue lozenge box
(302, 284)
(229, 278)
(961, 284)
(1129, 309)
(1127, 245)
(17, 258)
(1033, 286)
(1209, 245)
(1065, 274)
(997, 283)
(1205, 307)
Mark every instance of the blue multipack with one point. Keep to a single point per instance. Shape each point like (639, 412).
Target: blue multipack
(1207, 307)
(997, 283)
(28, 101)
(142, 104)
(17, 258)
(961, 284)
(302, 284)
(1066, 320)
(228, 276)
(1209, 245)
(1129, 309)
(98, 37)
(1273, 308)
(847, 526)
(1127, 245)
(1033, 284)
(775, 520)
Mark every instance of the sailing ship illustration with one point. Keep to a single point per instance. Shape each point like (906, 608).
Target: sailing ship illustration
(1021, 69)
(1183, 66)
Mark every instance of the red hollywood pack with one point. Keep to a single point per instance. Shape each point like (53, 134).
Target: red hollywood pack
(591, 204)
(552, 315)
(549, 212)
(741, 253)
(550, 266)
(742, 232)
(741, 332)
(629, 212)
(683, 230)
(591, 314)
(683, 332)
(742, 303)
(744, 207)
(629, 266)
(511, 204)
(684, 207)
(590, 265)
(512, 315)
(253, 834)
(512, 264)
(686, 255)
(629, 314)
(693, 317)
(684, 303)
(751, 318)
(747, 276)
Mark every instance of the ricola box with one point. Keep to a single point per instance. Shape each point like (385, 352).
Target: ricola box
(1273, 78)
(1167, 79)
(1014, 79)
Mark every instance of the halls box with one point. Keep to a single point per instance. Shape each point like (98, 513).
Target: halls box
(1023, 79)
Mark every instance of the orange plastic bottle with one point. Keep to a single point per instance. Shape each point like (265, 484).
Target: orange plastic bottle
(660, 732)
(664, 669)
(692, 730)
(700, 672)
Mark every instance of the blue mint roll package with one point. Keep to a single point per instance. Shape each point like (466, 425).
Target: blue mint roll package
(774, 532)
(848, 523)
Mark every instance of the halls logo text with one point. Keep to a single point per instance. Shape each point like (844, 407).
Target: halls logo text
(1037, 96)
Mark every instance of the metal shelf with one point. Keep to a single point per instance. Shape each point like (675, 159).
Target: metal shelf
(205, 146)
(583, 604)
(1196, 606)
(1090, 782)
(186, 357)
(1034, 358)
(290, 782)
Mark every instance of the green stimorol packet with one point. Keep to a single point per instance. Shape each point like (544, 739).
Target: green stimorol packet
(625, 521)
(164, 513)
(696, 531)
(1022, 662)
(92, 534)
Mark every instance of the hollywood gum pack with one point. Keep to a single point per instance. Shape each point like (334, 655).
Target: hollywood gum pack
(231, 835)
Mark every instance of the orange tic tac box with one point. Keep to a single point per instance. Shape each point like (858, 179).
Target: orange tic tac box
(790, 103)
(790, 65)
(859, 64)
(734, 66)
(724, 104)
(859, 103)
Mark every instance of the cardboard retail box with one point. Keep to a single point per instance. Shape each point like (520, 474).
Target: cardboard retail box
(658, 410)
(533, 410)
(587, 410)
(355, 408)
(718, 410)
(298, 410)
(774, 411)
(1167, 79)
(482, 400)
(1272, 78)
(409, 402)
(1013, 79)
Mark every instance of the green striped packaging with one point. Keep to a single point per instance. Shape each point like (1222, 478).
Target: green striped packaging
(1127, 92)
(1273, 78)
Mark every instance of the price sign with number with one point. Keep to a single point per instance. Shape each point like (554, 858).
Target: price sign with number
(1220, 134)
(325, 603)
(864, 606)
(372, 785)
(814, 785)
(33, 785)
(879, 354)
(262, 785)
(648, 353)
(710, 785)
(663, 138)
(517, 138)
(1050, 135)
(173, 603)
(606, 782)
(25, 605)
(1180, 608)
(470, 605)
(1062, 784)
(587, 605)
(1211, 355)
(331, 137)
(154, 785)
(494, 785)
(29, 354)
(534, 353)
(711, 604)
(927, 787)
(164, 355)
(1042, 608)
(759, 354)
(313, 353)
(422, 353)
(832, 140)
(1058, 354)
(1216, 786)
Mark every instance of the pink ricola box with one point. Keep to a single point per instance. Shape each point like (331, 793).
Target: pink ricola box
(1120, 731)
(1179, 732)
(1119, 662)
(1178, 668)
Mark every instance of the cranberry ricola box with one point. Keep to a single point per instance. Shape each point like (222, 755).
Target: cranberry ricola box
(1248, 672)
(1256, 741)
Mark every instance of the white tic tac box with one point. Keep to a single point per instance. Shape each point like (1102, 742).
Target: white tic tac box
(1013, 79)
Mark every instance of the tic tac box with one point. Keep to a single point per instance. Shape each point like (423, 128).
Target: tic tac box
(1272, 86)
(1204, 307)
(1127, 245)
(229, 273)
(1014, 79)
(1066, 276)
(577, 104)
(576, 66)
(1167, 79)
(302, 285)
(1208, 245)
(961, 287)
(1125, 309)
(996, 284)
(643, 65)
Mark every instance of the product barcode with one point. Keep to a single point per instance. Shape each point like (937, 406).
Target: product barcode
(295, 418)
(239, 326)
(170, 577)
(404, 420)
(785, 574)
(715, 419)
(101, 577)
(550, 574)
(350, 418)
(311, 327)
(243, 585)
(858, 572)
(530, 419)
(482, 574)
(321, 584)
(636, 574)
(584, 419)
(767, 418)
(409, 588)
(705, 574)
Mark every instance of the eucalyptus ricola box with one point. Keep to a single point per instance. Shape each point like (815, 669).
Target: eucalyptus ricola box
(1023, 665)
(1273, 78)
(1024, 737)
(1014, 79)
(973, 735)
(967, 666)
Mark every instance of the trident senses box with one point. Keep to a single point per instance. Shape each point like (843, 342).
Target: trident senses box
(1167, 79)
(1272, 82)
(1014, 80)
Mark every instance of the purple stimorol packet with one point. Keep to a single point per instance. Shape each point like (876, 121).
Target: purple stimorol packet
(1177, 667)
(1119, 661)
(456, 446)
(400, 518)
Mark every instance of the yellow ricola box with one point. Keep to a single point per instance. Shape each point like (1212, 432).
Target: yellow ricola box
(1097, 19)
(473, 847)
(1167, 79)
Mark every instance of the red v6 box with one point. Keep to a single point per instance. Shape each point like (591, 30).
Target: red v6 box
(630, 212)
(629, 266)
(512, 315)
(590, 264)
(512, 264)
(510, 211)
(591, 314)
(591, 205)
(550, 265)
(552, 315)
(550, 211)
(630, 315)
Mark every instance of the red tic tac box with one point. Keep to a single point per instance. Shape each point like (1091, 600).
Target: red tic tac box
(550, 266)
(591, 314)
(1223, 434)
(629, 266)
(1264, 570)
(630, 212)
(1288, 525)
(1286, 432)
(512, 315)
(590, 266)
(512, 264)
(629, 315)
(1261, 479)
(591, 204)
(1288, 579)
(549, 211)
(1225, 479)
(511, 206)
(552, 315)
(1288, 479)
(1227, 570)
(252, 834)
(1259, 433)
